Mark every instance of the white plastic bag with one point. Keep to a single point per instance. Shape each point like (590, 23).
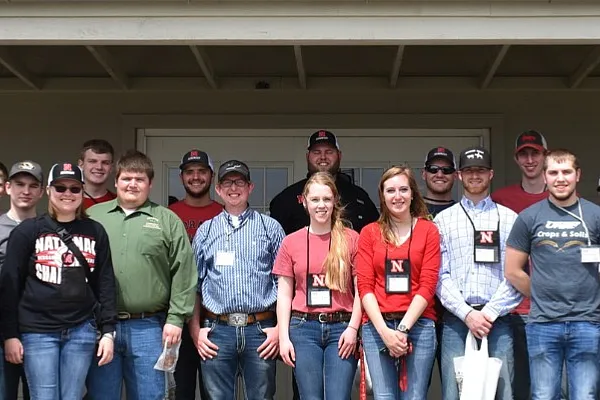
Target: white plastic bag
(477, 373)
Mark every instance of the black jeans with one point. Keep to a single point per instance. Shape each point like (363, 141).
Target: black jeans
(12, 374)
(188, 369)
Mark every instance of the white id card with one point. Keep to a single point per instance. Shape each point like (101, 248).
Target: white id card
(485, 255)
(397, 284)
(321, 298)
(225, 258)
(590, 254)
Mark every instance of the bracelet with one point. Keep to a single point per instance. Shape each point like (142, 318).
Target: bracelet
(350, 326)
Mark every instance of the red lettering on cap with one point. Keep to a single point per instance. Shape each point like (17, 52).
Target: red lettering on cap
(67, 167)
(528, 138)
(441, 150)
(193, 153)
(322, 134)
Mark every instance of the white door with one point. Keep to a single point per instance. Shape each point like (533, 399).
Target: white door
(277, 158)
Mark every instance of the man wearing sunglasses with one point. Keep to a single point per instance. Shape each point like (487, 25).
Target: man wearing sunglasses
(237, 291)
(439, 174)
(25, 189)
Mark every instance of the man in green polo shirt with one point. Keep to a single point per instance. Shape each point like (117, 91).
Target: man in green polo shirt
(156, 282)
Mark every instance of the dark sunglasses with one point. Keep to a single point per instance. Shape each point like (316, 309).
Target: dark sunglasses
(433, 169)
(62, 189)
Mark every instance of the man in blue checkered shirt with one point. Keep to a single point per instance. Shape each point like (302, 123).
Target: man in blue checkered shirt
(472, 287)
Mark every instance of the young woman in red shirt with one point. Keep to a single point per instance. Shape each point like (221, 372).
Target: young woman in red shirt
(397, 268)
(317, 310)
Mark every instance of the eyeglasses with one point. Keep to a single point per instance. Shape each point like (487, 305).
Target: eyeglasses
(238, 182)
(433, 169)
(62, 189)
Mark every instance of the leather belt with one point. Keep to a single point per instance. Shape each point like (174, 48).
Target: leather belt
(240, 319)
(477, 307)
(339, 316)
(390, 316)
(124, 315)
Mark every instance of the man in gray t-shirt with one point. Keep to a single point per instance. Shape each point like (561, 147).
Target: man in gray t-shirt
(25, 189)
(561, 236)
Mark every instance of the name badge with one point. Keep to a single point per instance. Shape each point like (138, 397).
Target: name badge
(397, 276)
(317, 292)
(487, 246)
(590, 254)
(225, 258)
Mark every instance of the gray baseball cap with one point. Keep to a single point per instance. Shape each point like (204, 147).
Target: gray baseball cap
(27, 167)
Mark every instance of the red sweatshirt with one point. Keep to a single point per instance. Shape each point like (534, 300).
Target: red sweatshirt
(425, 264)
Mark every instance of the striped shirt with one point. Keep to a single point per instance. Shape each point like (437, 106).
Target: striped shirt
(246, 250)
(462, 280)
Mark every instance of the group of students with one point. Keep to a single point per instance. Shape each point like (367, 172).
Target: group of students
(87, 303)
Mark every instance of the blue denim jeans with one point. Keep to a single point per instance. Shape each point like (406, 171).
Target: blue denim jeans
(56, 363)
(237, 356)
(382, 367)
(554, 343)
(500, 345)
(137, 347)
(320, 372)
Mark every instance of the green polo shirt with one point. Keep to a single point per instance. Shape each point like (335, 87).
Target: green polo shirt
(152, 258)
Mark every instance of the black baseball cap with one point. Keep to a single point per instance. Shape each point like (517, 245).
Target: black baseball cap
(440, 152)
(196, 156)
(234, 166)
(532, 139)
(27, 167)
(65, 170)
(323, 136)
(475, 156)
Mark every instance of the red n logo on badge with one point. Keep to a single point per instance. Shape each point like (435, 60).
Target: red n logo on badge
(397, 267)
(319, 280)
(487, 237)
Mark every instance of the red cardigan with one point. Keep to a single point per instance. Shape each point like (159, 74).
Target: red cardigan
(425, 261)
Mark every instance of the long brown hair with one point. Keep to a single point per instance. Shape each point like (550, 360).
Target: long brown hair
(418, 208)
(337, 263)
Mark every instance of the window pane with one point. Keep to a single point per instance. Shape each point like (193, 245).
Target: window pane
(176, 190)
(257, 196)
(277, 180)
(370, 180)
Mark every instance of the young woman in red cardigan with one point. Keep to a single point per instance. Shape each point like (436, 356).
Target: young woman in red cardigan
(317, 311)
(397, 268)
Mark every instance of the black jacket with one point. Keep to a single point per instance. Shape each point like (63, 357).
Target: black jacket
(288, 210)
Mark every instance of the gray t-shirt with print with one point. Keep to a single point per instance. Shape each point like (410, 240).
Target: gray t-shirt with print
(562, 287)
(6, 227)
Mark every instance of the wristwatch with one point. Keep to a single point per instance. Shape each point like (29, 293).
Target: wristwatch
(402, 328)
(110, 335)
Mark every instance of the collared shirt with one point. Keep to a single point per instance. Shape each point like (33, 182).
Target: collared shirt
(152, 258)
(250, 246)
(462, 280)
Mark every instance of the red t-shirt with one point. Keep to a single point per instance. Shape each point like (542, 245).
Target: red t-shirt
(291, 262)
(88, 201)
(193, 217)
(425, 259)
(515, 198)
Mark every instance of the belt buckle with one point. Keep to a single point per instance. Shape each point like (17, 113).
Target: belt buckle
(122, 315)
(323, 318)
(237, 319)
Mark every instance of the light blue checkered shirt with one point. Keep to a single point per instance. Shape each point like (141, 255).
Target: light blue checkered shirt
(248, 285)
(462, 280)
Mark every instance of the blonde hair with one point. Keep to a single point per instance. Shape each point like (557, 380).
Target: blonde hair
(337, 263)
(418, 208)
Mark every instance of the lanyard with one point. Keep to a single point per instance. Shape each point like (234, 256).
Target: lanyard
(409, 242)
(471, 221)
(580, 219)
(308, 253)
